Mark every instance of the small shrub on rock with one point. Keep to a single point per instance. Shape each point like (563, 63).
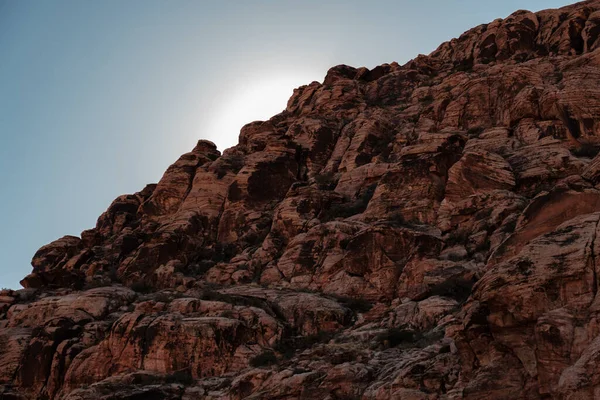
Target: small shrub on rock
(326, 181)
(586, 150)
(182, 376)
(141, 286)
(394, 337)
(458, 289)
(475, 131)
(290, 345)
(356, 304)
(428, 99)
(264, 359)
(397, 219)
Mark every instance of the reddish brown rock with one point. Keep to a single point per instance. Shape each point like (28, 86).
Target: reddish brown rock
(424, 231)
(479, 172)
(173, 187)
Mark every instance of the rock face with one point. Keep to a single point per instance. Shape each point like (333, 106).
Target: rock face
(425, 231)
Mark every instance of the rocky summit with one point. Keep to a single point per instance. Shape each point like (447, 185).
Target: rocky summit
(424, 231)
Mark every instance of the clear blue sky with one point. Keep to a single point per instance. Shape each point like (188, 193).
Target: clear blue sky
(97, 98)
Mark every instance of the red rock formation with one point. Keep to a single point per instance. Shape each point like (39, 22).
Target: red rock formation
(425, 231)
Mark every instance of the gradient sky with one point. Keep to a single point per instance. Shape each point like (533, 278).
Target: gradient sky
(98, 98)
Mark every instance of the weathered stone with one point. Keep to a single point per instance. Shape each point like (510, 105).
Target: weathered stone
(424, 231)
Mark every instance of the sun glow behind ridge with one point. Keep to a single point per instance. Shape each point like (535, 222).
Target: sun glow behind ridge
(253, 99)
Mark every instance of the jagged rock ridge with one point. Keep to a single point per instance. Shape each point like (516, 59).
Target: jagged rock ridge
(425, 231)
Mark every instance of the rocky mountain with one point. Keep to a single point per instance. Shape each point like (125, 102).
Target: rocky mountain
(424, 231)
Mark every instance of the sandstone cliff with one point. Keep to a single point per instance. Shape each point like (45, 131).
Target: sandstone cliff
(425, 231)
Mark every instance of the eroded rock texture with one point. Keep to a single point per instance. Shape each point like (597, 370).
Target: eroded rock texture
(425, 231)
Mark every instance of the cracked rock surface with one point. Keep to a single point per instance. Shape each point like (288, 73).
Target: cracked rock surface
(424, 231)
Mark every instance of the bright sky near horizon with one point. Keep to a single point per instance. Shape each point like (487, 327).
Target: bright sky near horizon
(98, 98)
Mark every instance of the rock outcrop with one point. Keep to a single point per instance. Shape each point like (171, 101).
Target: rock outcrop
(424, 231)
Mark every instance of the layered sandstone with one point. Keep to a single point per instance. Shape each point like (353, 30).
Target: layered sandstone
(424, 231)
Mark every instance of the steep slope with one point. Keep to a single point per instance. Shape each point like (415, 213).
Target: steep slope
(425, 231)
